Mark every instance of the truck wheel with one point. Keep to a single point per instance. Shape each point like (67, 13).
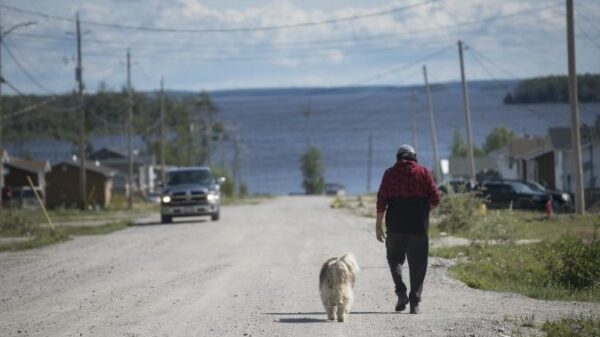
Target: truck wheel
(166, 219)
(215, 216)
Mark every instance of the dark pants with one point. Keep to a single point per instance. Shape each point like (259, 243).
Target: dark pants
(415, 248)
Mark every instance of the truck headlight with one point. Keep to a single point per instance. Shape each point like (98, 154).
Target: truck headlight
(565, 196)
(166, 199)
(211, 197)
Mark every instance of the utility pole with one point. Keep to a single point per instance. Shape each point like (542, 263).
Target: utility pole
(467, 114)
(163, 174)
(436, 157)
(129, 134)
(413, 109)
(209, 127)
(190, 142)
(236, 164)
(307, 112)
(2, 34)
(369, 163)
(573, 100)
(1, 122)
(79, 78)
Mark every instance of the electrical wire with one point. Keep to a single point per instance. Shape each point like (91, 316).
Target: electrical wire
(588, 36)
(27, 73)
(223, 30)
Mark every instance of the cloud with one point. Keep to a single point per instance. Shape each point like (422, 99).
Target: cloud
(530, 44)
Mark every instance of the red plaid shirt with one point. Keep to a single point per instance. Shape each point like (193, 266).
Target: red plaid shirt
(407, 179)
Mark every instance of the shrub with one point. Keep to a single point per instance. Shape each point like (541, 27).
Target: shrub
(460, 211)
(578, 326)
(311, 165)
(243, 190)
(573, 262)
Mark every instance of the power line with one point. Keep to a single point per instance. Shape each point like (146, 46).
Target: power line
(282, 46)
(224, 30)
(17, 91)
(16, 60)
(588, 36)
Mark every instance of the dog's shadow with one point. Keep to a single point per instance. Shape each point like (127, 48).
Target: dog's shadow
(315, 320)
(302, 320)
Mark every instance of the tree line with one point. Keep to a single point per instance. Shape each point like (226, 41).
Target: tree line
(554, 89)
(496, 139)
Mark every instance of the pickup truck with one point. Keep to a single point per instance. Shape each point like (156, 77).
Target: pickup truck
(190, 191)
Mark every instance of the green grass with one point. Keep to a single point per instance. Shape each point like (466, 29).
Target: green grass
(534, 225)
(580, 326)
(513, 268)
(43, 236)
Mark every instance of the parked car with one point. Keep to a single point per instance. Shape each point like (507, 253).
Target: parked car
(153, 197)
(335, 189)
(190, 191)
(24, 197)
(500, 194)
(561, 201)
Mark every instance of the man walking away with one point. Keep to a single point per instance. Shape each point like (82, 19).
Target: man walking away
(406, 196)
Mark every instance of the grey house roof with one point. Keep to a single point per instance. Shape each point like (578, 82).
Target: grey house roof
(103, 170)
(461, 167)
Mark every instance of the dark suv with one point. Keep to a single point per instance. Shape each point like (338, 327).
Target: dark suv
(191, 191)
(506, 193)
(561, 201)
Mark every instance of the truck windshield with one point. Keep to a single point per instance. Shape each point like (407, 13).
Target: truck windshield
(183, 177)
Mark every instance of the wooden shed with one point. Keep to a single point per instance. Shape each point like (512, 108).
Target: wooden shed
(63, 185)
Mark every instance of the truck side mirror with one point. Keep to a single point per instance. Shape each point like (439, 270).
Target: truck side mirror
(221, 180)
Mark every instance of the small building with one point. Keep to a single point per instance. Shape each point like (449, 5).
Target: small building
(63, 185)
(17, 170)
(143, 169)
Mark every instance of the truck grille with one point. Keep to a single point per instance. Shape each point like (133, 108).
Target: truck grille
(194, 198)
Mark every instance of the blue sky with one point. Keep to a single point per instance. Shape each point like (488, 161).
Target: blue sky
(508, 39)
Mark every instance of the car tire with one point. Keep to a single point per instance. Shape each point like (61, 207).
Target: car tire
(215, 216)
(166, 219)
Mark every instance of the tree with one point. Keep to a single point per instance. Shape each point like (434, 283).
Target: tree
(459, 149)
(497, 138)
(312, 171)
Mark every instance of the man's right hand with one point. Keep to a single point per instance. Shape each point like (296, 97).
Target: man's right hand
(379, 233)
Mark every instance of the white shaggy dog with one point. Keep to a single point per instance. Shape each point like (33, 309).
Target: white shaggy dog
(335, 284)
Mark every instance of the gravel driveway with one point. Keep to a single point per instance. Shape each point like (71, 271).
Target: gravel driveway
(254, 273)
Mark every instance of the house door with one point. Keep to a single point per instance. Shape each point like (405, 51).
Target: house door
(545, 166)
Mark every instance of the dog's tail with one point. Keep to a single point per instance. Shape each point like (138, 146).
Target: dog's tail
(350, 261)
(343, 270)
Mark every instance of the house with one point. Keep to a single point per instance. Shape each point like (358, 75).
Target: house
(485, 167)
(16, 171)
(63, 184)
(143, 169)
(550, 160)
(511, 159)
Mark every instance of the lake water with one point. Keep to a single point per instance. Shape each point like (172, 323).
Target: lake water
(274, 130)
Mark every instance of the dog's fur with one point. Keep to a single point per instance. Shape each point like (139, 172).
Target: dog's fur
(336, 281)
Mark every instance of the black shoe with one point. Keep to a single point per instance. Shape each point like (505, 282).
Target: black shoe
(414, 308)
(402, 302)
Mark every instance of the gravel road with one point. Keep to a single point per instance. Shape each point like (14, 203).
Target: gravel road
(254, 273)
